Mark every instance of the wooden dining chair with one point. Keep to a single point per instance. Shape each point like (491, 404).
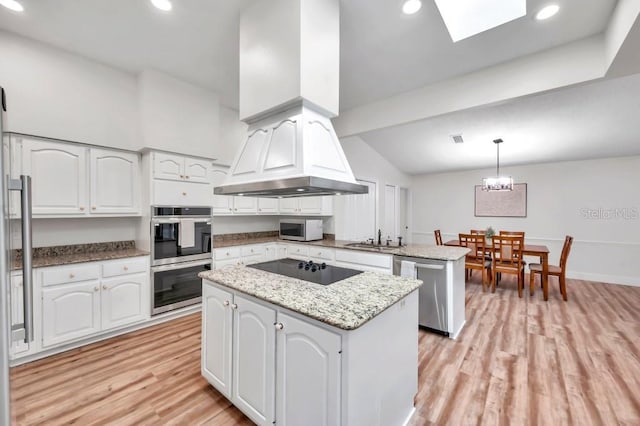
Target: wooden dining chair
(507, 259)
(517, 234)
(476, 258)
(438, 236)
(558, 271)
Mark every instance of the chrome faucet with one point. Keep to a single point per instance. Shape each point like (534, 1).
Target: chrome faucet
(379, 237)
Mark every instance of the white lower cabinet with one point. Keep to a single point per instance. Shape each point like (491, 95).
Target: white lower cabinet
(123, 300)
(70, 311)
(274, 367)
(364, 261)
(253, 360)
(308, 374)
(86, 299)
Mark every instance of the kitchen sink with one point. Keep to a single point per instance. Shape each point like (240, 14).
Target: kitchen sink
(370, 246)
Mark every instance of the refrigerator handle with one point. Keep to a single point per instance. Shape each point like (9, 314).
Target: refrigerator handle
(24, 186)
(27, 257)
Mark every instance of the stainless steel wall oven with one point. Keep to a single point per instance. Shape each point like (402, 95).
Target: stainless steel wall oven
(180, 250)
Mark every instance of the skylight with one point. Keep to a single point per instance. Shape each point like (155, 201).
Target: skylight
(466, 18)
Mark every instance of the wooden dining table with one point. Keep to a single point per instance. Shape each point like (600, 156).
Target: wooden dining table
(540, 251)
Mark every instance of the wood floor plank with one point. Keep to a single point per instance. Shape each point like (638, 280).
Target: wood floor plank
(518, 361)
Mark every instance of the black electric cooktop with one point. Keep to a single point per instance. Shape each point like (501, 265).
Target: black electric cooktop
(319, 273)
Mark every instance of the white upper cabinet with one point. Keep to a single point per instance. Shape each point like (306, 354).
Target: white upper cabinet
(58, 176)
(181, 168)
(196, 170)
(306, 206)
(243, 205)
(181, 181)
(268, 206)
(222, 204)
(70, 180)
(115, 182)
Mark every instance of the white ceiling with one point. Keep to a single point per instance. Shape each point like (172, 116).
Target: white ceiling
(383, 52)
(600, 119)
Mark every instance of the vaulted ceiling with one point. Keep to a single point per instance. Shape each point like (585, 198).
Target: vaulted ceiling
(384, 54)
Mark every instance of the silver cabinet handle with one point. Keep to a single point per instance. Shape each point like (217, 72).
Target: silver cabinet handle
(96, 288)
(226, 303)
(279, 326)
(104, 287)
(234, 306)
(71, 276)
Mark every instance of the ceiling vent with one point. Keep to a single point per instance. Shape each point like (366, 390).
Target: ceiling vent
(457, 139)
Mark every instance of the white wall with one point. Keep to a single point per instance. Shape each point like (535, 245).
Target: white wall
(560, 196)
(60, 95)
(57, 232)
(233, 132)
(177, 116)
(239, 224)
(56, 94)
(366, 163)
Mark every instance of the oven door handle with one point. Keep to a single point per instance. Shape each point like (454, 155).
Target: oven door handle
(163, 221)
(180, 265)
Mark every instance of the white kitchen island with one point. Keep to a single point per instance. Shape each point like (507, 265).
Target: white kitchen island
(291, 352)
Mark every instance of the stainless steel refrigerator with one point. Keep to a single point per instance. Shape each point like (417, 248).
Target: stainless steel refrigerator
(13, 329)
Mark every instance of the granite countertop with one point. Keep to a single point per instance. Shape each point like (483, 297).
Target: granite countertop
(80, 253)
(346, 304)
(412, 250)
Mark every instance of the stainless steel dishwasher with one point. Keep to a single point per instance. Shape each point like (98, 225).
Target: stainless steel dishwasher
(432, 309)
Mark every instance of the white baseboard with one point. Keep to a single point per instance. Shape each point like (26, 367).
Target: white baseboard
(604, 278)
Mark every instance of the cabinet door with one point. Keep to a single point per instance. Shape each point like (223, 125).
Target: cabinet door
(254, 341)
(168, 166)
(222, 204)
(197, 170)
(124, 300)
(308, 379)
(167, 193)
(268, 206)
(244, 205)
(115, 182)
(58, 177)
(288, 205)
(271, 252)
(70, 311)
(216, 338)
(310, 205)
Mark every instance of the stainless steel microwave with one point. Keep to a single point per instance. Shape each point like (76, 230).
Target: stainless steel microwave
(301, 229)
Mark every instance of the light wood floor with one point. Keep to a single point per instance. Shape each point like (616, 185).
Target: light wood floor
(518, 361)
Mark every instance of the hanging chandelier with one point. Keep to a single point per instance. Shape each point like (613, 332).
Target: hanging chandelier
(497, 182)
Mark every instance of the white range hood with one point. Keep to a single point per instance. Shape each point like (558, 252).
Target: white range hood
(289, 74)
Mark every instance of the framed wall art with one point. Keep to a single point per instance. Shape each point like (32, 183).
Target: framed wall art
(501, 203)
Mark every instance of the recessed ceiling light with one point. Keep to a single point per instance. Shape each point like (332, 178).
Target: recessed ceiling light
(164, 5)
(12, 4)
(547, 12)
(411, 6)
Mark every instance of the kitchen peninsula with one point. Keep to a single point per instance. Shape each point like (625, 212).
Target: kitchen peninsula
(302, 353)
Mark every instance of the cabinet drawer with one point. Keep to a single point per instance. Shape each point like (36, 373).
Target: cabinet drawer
(227, 253)
(70, 274)
(252, 251)
(363, 258)
(132, 265)
(298, 250)
(321, 253)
